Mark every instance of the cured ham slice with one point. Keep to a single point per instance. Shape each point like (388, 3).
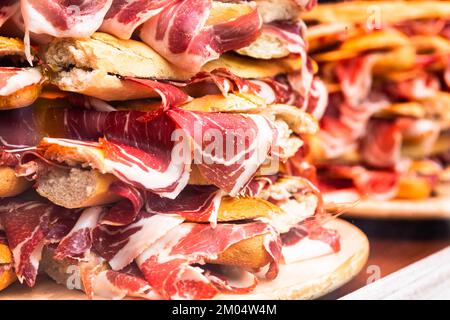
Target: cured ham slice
(181, 35)
(14, 79)
(77, 19)
(168, 264)
(120, 245)
(116, 285)
(29, 225)
(381, 146)
(145, 163)
(242, 145)
(79, 240)
(7, 9)
(375, 184)
(125, 16)
(194, 203)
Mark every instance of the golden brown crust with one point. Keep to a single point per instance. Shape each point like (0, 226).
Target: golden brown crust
(6, 277)
(248, 254)
(11, 46)
(10, 184)
(21, 98)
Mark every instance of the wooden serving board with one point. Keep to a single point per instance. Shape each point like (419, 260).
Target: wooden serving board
(302, 280)
(429, 209)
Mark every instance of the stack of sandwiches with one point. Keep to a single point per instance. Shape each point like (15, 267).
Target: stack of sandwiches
(385, 136)
(145, 145)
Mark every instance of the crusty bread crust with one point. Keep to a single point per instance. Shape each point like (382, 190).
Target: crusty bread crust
(10, 184)
(248, 254)
(21, 98)
(76, 188)
(6, 277)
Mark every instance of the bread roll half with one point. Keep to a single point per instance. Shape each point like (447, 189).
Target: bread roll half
(10, 184)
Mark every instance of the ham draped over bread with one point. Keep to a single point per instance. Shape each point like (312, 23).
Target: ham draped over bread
(143, 156)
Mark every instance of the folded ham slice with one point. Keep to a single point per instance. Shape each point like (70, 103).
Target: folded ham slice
(14, 79)
(168, 264)
(7, 9)
(181, 35)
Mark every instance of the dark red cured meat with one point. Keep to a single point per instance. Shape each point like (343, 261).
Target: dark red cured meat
(179, 33)
(381, 145)
(174, 277)
(251, 137)
(29, 225)
(77, 243)
(125, 16)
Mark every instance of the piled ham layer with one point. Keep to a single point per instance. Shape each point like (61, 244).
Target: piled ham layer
(160, 235)
(385, 133)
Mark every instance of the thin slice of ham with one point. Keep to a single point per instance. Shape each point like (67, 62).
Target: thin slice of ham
(381, 146)
(228, 148)
(29, 225)
(374, 184)
(58, 18)
(168, 264)
(125, 16)
(120, 245)
(7, 9)
(180, 33)
(78, 242)
(15, 79)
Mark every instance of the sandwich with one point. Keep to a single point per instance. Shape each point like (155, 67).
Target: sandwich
(154, 160)
(384, 137)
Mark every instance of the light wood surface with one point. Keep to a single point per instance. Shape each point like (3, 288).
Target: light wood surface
(303, 280)
(427, 279)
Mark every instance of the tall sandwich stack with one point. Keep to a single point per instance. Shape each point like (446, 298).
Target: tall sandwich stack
(385, 140)
(145, 148)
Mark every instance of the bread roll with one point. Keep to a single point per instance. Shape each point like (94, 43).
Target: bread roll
(10, 184)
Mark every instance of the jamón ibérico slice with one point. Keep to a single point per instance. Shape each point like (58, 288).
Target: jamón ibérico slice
(120, 245)
(309, 240)
(15, 79)
(194, 203)
(116, 285)
(7, 9)
(29, 225)
(125, 16)
(289, 33)
(143, 162)
(168, 264)
(375, 184)
(126, 211)
(58, 18)
(355, 77)
(78, 242)
(251, 138)
(313, 230)
(181, 35)
(381, 145)
(171, 96)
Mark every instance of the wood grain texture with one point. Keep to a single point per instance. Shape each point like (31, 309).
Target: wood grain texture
(303, 280)
(395, 245)
(427, 279)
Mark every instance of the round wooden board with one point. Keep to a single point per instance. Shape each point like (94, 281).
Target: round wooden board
(302, 280)
(429, 209)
